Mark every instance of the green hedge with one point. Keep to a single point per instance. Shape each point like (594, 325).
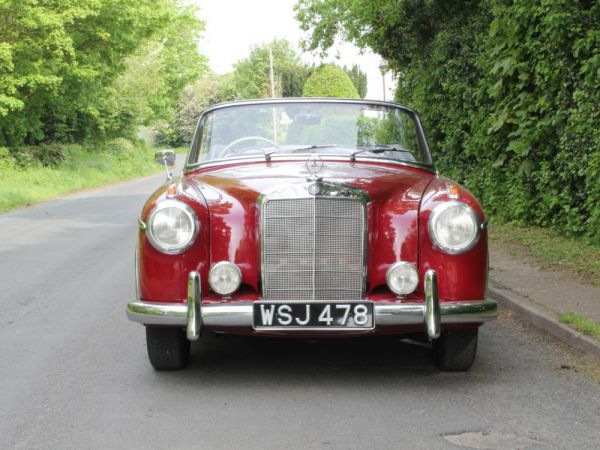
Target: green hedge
(511, 100)
(507, 90)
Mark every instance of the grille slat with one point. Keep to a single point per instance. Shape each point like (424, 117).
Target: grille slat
(313, 248)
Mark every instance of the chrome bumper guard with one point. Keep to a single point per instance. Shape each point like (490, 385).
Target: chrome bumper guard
(194, 316)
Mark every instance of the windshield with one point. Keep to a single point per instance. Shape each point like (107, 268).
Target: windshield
(304, 127)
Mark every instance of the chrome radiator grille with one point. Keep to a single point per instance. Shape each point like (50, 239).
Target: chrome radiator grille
(313, 248)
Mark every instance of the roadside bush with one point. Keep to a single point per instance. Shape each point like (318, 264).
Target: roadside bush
(25, 180)
(120, 146)
(43, 155)
(329, 81)
(507, 91)
(7, 162)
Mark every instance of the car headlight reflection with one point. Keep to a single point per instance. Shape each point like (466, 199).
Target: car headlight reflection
(454, 227)
(172, 227)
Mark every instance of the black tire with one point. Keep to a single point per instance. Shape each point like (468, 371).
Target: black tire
(454, 350)
(168, 348)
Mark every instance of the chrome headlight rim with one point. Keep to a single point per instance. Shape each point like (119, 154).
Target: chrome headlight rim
(390, 272)
(221, 264)
(188, 211)
(434, 217)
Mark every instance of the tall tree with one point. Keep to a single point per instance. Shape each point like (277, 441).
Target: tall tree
(205, 92)
(152, 86)
(251, 75)
(60, 59)
(358, 78)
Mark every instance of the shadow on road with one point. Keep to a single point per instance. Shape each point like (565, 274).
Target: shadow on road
(229, 360)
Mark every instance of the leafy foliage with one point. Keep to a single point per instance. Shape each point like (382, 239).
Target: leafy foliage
(251, 75)
(250, 79)
(508, 91)
(329, 81)
(207, 91)
(358, 78)
(40, 172)
(60, 63)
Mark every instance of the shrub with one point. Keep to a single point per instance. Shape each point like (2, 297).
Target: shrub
(508, 92)
(329, 81)
(120, 146)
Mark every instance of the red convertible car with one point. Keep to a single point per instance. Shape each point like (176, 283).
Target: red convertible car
(310, 218)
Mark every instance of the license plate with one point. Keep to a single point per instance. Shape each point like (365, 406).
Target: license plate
(312, 315)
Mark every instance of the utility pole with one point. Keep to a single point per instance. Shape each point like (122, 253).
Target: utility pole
(272, 77)
(383, 67)
(271, 73)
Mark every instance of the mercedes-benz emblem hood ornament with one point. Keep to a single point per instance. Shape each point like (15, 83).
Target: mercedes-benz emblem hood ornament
(314, 164)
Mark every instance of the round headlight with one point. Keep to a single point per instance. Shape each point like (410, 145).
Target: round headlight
(402, 278)
(454, 227)
(224, 278)
(172, 227)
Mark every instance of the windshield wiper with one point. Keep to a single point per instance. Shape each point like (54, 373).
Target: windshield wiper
(266, 154)
(379, 149)
(312, 147)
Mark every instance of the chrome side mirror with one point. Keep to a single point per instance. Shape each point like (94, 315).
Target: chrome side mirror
(166, 157)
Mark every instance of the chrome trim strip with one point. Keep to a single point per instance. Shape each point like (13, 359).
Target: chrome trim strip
(300, 156)
(240, 314)
(194, 307)
(228, 315)
(141, 223)
(266, 101)
(314, 252)
(156, 313)
(432, 305)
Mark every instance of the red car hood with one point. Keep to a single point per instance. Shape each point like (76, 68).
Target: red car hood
(231, 193)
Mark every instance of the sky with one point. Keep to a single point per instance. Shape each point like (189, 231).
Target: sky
(233, 27)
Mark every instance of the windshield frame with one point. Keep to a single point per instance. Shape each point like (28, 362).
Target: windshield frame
(421, 140)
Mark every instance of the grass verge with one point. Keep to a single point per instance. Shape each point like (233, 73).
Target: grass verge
(581, 323)
(550, 249)
(39, 173)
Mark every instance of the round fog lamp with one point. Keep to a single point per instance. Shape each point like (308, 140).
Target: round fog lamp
(224, 278)
(402, 278)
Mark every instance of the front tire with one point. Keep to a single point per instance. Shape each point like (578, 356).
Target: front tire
(168, 348)
(455, 350)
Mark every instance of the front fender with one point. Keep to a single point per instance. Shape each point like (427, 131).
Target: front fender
(162, 277)
(463, 276)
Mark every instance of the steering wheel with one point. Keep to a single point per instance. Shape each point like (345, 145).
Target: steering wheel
(229, 146)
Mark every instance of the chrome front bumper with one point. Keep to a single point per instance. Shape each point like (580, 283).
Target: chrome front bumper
(194, 316)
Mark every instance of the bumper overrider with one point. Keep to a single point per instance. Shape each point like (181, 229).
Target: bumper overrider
(220, 317)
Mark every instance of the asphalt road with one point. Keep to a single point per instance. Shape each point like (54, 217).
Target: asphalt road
(74, 373)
